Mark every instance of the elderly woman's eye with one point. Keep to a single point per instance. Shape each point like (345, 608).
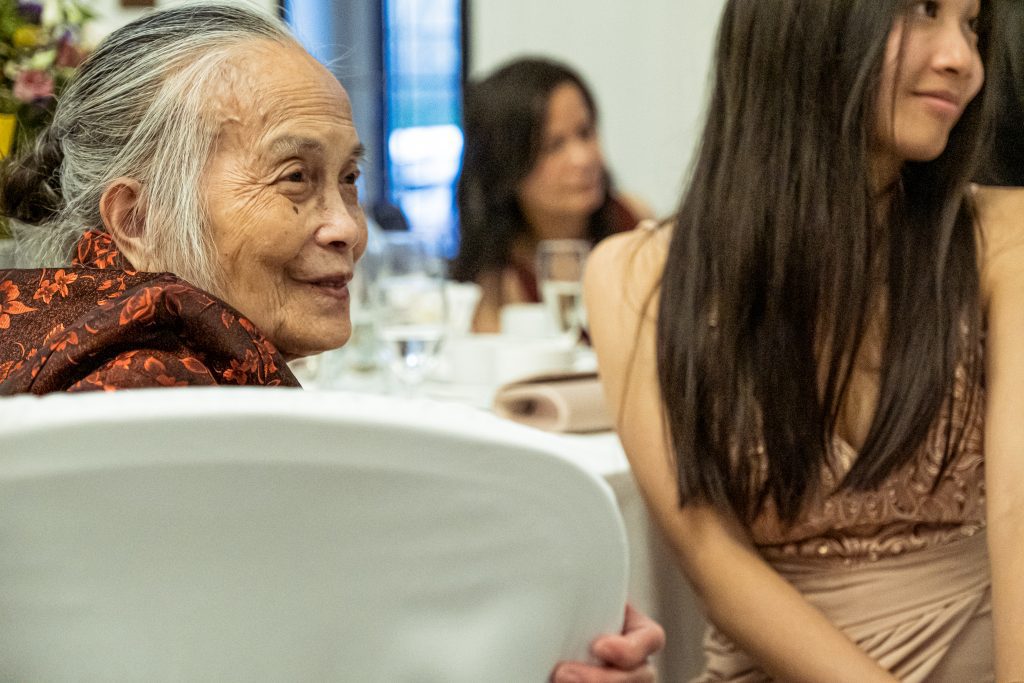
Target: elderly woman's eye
(295, 177)
(351, 177)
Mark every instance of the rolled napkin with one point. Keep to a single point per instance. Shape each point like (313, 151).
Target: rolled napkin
(564, 402)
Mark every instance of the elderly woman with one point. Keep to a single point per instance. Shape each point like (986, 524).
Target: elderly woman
(197, 151)
(195, 200)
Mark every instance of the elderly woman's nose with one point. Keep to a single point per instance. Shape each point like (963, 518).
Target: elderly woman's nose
(341, 224)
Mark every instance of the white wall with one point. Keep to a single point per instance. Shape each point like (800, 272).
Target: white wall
(647, 62)
(111, 15)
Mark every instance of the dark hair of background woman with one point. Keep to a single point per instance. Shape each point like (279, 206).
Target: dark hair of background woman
(504, 129)
(778, 262)
(1004, 163)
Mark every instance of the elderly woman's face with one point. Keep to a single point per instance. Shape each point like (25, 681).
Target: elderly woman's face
(280, 191)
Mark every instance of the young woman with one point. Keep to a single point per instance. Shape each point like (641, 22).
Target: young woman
(532, 170)
(816, 368)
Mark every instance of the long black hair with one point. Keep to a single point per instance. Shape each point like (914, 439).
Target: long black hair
(779, 262)
(1003, 164)
(504, 120)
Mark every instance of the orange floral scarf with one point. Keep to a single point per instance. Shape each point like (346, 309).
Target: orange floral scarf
(99, 324)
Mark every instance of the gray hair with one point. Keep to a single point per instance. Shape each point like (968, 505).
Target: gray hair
(138, 107)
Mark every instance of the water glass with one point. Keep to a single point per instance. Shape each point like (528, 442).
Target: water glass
(560, 266)
(412, 310)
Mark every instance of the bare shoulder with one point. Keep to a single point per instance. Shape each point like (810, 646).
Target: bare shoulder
(1000, 213)
(624, 270)
(1000, 229)
(621, 288)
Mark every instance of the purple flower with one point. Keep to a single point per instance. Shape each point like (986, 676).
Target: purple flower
(32, 85)
(68, 54)
(31, 12)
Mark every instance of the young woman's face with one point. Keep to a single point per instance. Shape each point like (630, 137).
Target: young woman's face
(568, 178)
(931, 73)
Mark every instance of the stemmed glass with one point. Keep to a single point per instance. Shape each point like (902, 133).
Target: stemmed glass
(412, 311)
(560, 266)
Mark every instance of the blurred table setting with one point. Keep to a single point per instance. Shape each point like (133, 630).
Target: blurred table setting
(411, 336)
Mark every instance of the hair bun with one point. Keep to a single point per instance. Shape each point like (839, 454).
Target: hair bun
(31, 191)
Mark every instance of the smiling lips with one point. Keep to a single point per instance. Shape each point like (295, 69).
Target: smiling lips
(944, 102)
(335, 286)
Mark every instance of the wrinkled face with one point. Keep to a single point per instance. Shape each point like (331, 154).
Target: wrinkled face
(568, 177)
(280, 191)
(931, 73)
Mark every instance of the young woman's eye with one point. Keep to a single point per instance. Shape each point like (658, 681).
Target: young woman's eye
(974, 25)
(926, 8)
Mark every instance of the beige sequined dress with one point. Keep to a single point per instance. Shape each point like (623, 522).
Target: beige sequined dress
(902, 570)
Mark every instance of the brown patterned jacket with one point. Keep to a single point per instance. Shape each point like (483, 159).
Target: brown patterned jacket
(99, 324)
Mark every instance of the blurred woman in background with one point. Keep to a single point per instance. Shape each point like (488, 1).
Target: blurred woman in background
(532, 170)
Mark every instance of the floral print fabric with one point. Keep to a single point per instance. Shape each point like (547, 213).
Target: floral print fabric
(99, 324)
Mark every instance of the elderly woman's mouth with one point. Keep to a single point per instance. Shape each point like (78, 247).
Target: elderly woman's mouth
(335, 287)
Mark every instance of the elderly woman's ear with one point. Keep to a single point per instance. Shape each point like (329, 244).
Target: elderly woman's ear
(125, 219)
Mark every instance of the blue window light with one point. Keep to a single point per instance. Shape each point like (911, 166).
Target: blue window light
(423, 105)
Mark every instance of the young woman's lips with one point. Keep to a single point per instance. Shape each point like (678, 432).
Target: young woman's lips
(943, 103)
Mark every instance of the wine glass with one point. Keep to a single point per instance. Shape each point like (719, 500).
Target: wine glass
(560, 273)
(412, 311)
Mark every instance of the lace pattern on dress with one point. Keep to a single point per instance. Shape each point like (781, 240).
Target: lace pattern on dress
(912, 510)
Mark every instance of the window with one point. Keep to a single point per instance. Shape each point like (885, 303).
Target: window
(402, 64)
(423, 112)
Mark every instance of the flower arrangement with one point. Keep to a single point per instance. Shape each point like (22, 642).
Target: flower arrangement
(40, 47)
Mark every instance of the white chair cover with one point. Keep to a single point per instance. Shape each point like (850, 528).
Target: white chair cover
(281, 535)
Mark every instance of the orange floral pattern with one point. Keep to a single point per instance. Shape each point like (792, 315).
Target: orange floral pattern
(10, 305)
(101, 325)
(97, 250)
(58, 285)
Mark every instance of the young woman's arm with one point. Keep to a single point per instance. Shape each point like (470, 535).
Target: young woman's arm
(742, 594)
(1001, 217)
